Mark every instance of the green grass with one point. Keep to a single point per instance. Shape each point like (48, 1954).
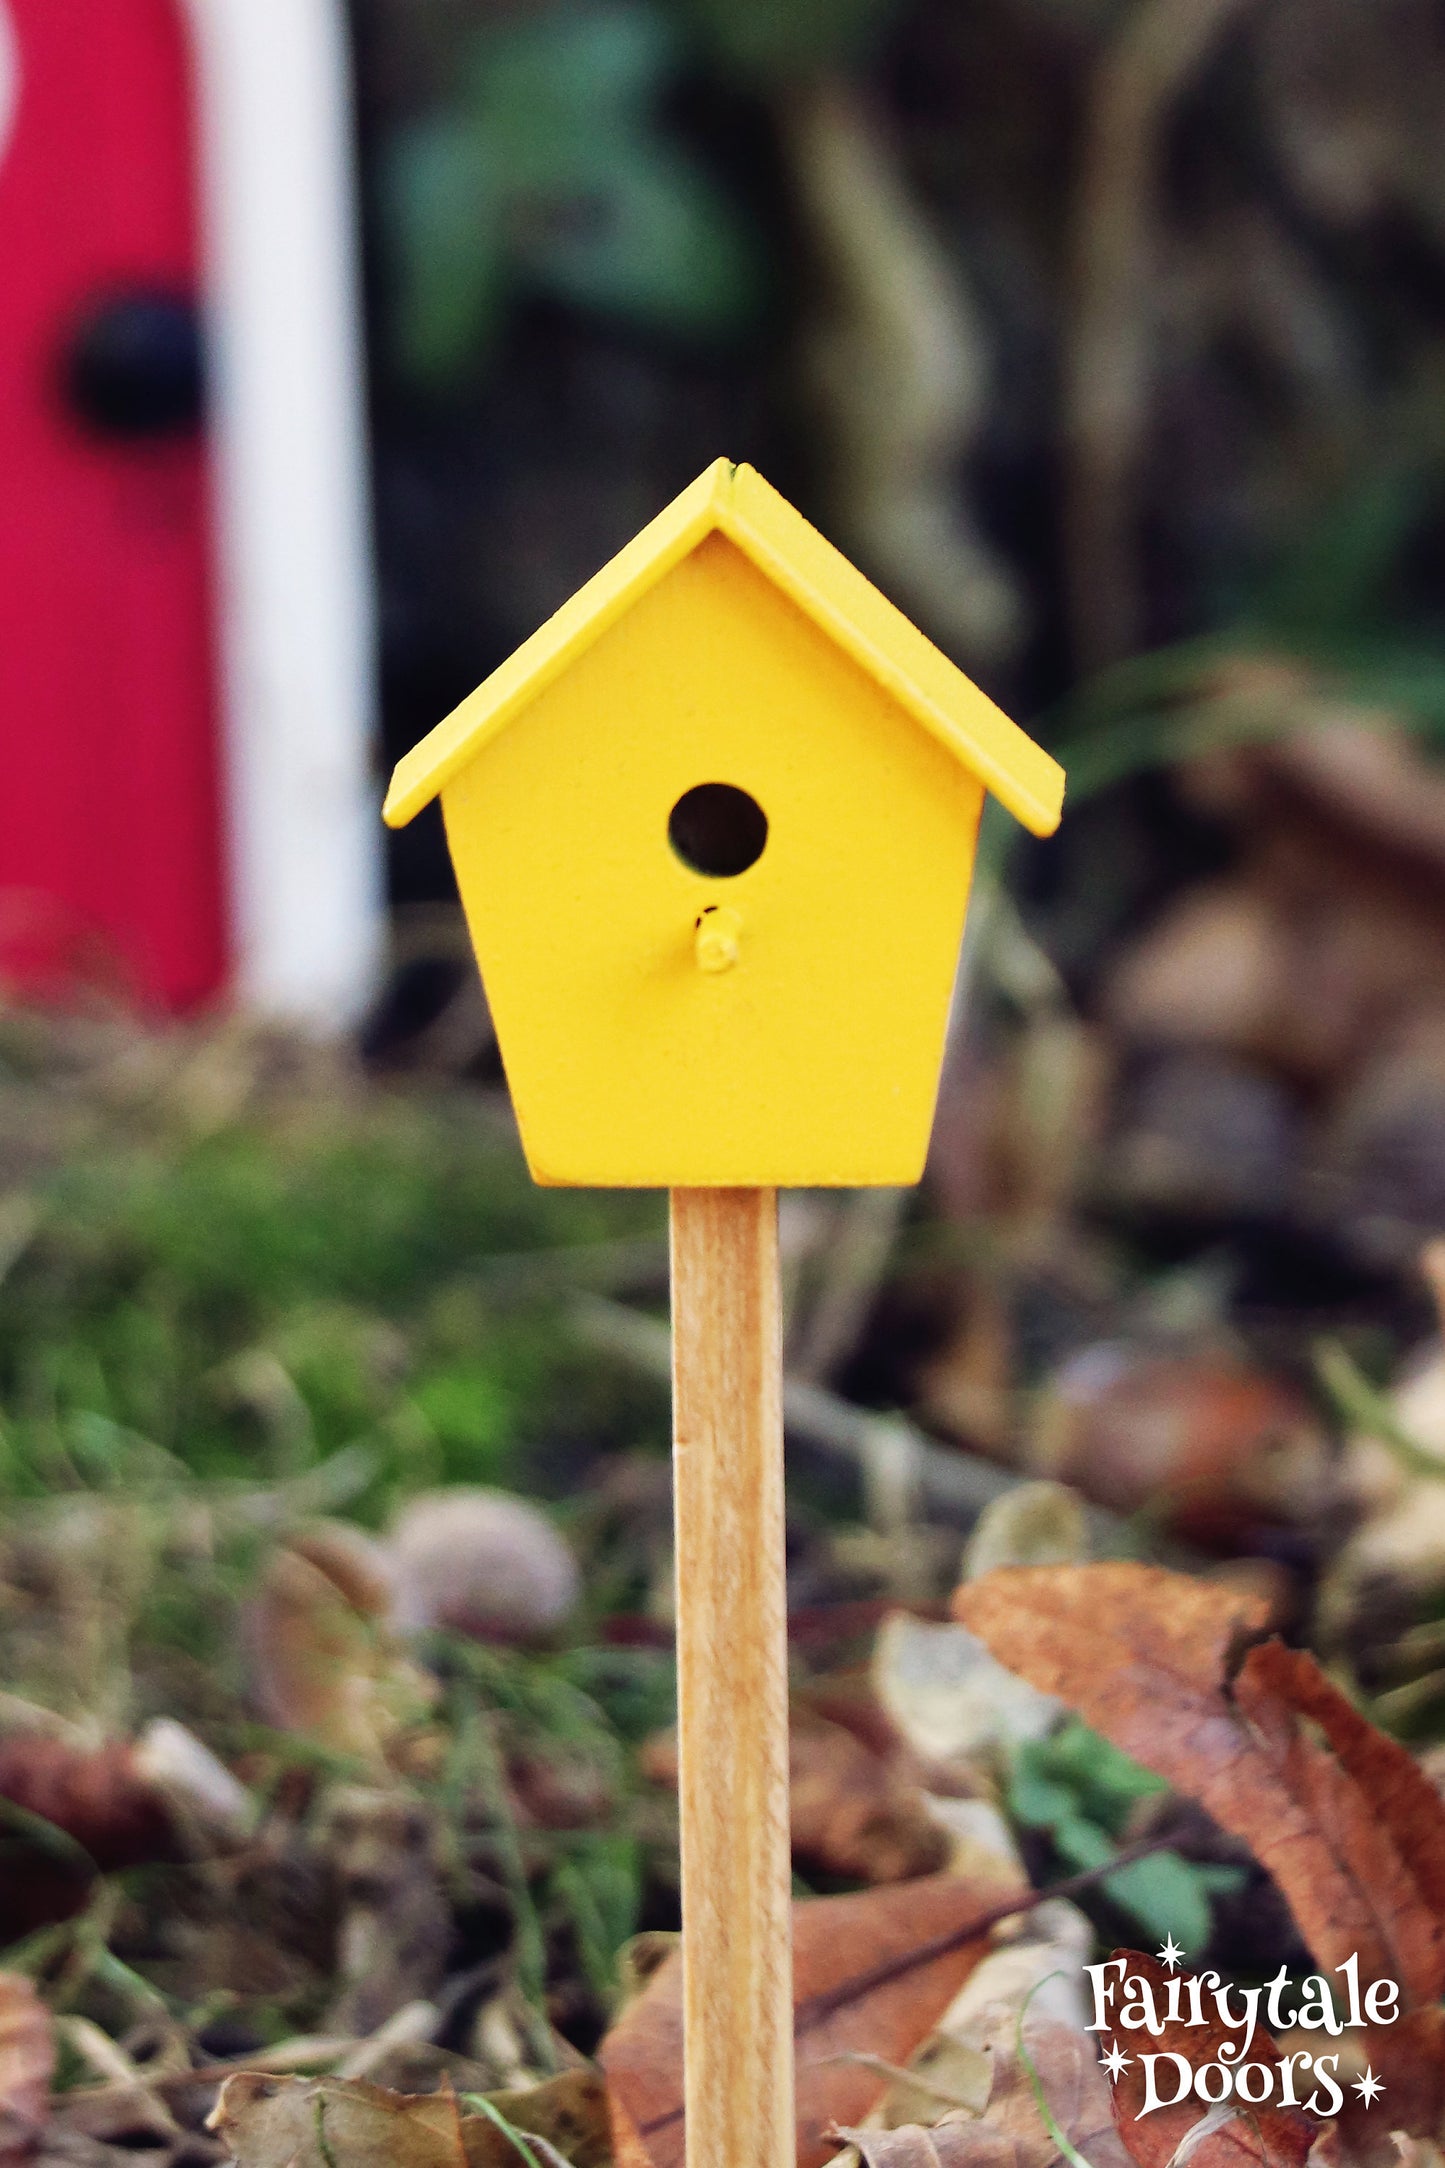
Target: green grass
(330, 1269)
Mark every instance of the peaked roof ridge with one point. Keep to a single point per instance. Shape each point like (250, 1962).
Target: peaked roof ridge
(736, 501)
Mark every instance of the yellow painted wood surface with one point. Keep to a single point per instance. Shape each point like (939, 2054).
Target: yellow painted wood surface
(783, 1024)
(732, 1680)
(814, 1059)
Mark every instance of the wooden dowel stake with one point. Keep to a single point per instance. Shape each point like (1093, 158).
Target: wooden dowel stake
(732, 1680)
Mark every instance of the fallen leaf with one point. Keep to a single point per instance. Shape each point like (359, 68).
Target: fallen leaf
(856, 1814)
(201, 1791)
(982, 1847)
(569, 2112)
(125, 2119)
(1011, 2132)
(1268, 2137)
(1039, 1965)
(1066, 2066)
(1386, 1578)
(1400, 1794)
(943, 2074)
(1351, 1831)
(956, 2138)
(1213, 971)
(27, 2064)
(102, 1800)
(872, 1972)
(1410, 2057)
(323, 1660)
(79, 1811)
(354, 1561)
(1213, 1443)
(949, 1698)
(1031, 1524)
(271, 2122)
(1316, 951)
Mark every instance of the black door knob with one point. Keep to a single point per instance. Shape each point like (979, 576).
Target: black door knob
(133, 365)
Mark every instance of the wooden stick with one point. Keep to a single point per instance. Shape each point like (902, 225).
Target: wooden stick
(732, 1680)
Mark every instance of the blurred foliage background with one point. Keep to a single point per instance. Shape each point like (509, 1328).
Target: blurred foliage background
(1108, 337)
(1090, 328)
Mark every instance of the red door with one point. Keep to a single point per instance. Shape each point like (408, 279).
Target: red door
(110, 832)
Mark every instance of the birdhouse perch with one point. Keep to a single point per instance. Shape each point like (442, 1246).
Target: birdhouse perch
(714, 827)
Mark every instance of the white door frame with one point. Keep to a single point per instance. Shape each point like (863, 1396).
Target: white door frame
(284, 344)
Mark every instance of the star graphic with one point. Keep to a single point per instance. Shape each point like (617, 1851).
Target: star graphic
(1171, 1953)
(1115, 2062)
(1369, 2087)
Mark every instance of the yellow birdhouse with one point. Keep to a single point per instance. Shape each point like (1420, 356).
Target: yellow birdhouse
(714, 828)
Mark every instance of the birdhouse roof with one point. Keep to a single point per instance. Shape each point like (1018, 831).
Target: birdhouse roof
(736, 502)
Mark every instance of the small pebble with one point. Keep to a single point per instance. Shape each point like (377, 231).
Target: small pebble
(480, 1562)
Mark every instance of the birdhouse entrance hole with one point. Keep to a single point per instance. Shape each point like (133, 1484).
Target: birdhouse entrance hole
(717, 829)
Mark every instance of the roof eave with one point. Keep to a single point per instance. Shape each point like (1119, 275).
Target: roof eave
(1018, 772)
(421, 774)
(738, 503)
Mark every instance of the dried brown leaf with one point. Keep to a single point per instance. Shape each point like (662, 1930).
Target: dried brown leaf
(1207, 1441)
(568, 2111)
(127, 2119)
(1409, 2057)
(1066, 2064)
(1271, 1750)
(949, 1698)
(956, 2140)
(1256, 2138)
(27, 2064)
(323, 1662)
(872, 1973)
(335, 2123)
(855, 1813)
(1401, 1795)
(1012, 2132)
(100, 1800)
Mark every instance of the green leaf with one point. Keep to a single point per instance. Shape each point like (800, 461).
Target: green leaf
(471, 1410)
(645, 235)
(1338, 573)
(1081, 1788)
(1099, 1768)
(1077, 1771)
(1170, 1895)
(599, 1885)
(1082, 1842)
(443, 214)
(1037, 1800)
(555, 173)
